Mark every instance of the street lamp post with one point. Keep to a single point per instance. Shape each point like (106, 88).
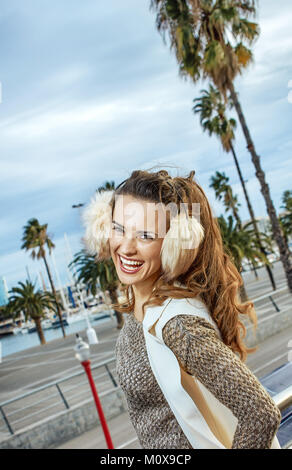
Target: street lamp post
(83, 354)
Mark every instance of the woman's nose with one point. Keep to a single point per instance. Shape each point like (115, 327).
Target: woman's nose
(128, 245)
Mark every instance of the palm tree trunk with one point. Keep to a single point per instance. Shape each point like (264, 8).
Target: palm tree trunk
(243, 293)
(55, 295)
(277, 232)
(252, 216)
(242, 290)
(235, 213)
(253, 268)
(119, 315)
(39, 330)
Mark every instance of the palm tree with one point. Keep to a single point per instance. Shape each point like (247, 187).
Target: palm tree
(211, 39)
(287, 202)
(212, 110)
(87, 270)
(92, 273)
(222, 189)
(286, 219)
(213, 119)
(33, 303)
(7, 311)
(35, 238)
(239, 243)
(107, 186)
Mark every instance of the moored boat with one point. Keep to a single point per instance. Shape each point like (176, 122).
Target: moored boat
(7, 330)
(20, 330)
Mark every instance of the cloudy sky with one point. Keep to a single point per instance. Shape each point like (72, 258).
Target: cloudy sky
(90, 92)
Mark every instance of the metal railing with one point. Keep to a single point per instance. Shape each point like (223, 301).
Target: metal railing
(269, 296)
(284, 400)
(20, 414)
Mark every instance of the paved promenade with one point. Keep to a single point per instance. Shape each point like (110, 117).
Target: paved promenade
(32, 368)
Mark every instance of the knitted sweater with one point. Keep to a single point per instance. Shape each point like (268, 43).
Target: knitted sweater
(201, 353)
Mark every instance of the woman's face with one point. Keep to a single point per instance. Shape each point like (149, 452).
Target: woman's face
(135, 240)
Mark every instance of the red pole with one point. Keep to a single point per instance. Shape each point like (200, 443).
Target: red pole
(86, 365)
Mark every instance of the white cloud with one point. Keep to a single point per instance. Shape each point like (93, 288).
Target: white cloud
(61, 120)
(272, 50)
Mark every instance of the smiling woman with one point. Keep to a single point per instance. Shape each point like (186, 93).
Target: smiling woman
(176, 354)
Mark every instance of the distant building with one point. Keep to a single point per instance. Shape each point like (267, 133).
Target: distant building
(264, 223)
(3, 292)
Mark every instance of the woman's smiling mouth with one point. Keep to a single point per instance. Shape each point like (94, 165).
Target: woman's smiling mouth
(129, 266)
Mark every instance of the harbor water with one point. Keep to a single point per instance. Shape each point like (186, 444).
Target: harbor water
(14, 343)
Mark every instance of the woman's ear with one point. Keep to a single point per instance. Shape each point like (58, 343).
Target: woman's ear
(97, 219)
(180, 245)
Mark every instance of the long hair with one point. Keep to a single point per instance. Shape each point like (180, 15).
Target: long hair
(212, 275)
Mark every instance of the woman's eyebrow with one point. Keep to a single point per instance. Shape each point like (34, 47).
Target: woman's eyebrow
(138, 231)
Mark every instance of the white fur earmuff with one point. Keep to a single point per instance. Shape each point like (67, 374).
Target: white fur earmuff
(97, 219)
(180, 245)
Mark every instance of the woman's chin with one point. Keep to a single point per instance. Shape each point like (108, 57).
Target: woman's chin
(126, 279)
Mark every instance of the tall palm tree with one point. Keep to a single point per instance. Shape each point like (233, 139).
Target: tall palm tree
(223, 190)
(92, 273)
(33, 303)
(239, 243)
(213, 119)
(211, 39)
(36, 238)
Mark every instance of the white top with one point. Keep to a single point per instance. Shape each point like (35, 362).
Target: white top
(166, 370)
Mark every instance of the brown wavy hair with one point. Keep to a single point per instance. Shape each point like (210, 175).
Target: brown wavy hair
(212, 274)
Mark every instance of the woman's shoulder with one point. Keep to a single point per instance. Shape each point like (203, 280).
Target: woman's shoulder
(188, 306)
(193, 308)
(193, 302)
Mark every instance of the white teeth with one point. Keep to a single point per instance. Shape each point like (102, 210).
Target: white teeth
(130, 263)
(128, 268)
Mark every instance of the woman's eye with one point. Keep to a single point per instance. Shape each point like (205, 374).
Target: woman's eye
(144, 236)
(147, 237)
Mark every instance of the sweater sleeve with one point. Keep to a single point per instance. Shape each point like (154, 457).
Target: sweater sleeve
(200, 352)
